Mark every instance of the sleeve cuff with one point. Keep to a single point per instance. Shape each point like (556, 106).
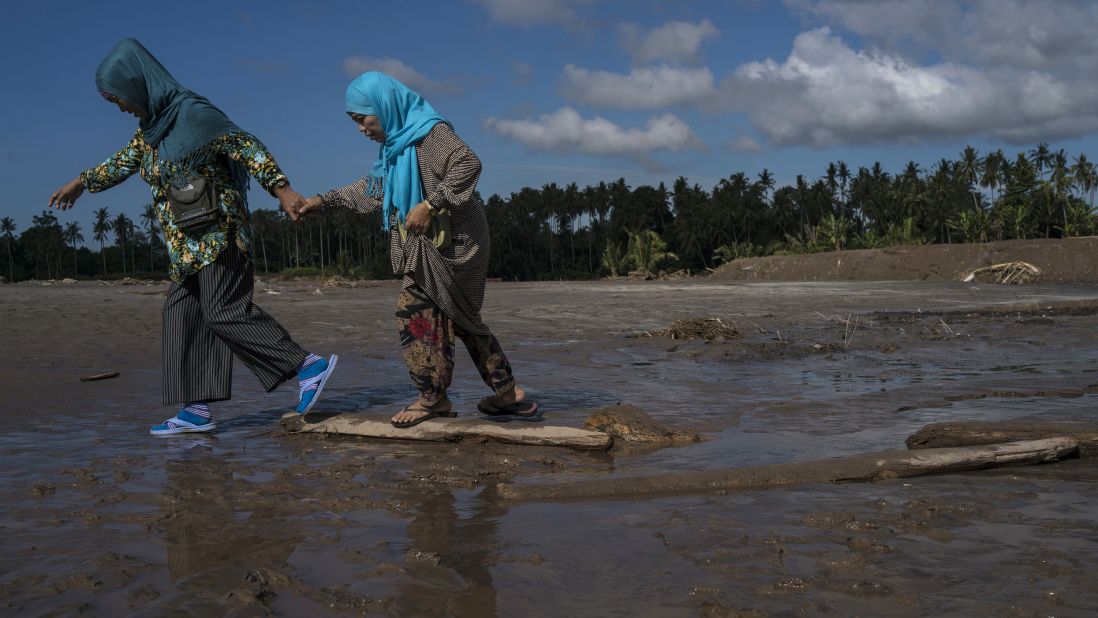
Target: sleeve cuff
(279, 182)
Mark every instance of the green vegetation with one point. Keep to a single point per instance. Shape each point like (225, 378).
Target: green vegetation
(610, 229)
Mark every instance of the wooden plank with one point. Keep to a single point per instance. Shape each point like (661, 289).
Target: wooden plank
(453, 430)
(976, 433)
(867, 467)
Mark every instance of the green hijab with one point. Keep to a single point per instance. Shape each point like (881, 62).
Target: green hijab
(180, 123)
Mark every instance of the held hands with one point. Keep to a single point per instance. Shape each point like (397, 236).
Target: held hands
(313, 205)
(66, 196)
(291, 201)
(418, 220)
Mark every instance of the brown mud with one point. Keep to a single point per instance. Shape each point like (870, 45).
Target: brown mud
(1067, 260)
(101, 518)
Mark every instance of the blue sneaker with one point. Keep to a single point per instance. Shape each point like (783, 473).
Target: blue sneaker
(183, 422)
(311, 382)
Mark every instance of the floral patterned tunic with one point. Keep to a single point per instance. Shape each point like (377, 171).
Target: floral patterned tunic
(189, 254)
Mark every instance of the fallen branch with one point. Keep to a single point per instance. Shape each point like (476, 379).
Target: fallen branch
(868, 467)
(976, 433)
(1007, 273)
(100, 376)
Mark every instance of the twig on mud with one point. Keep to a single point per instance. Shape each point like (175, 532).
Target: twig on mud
(946, 326)
(848, 332)
(759, 328)
(100, 376)
(779, 335)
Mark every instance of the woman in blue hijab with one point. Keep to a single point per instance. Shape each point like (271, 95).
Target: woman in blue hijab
(189, 152)
(424, 184)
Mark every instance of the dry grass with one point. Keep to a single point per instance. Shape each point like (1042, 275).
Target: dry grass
(1007, 273)
(706, 329)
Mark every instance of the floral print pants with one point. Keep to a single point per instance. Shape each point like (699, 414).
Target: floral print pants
(427, 338)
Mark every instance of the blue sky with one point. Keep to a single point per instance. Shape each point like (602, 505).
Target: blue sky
(567, 90)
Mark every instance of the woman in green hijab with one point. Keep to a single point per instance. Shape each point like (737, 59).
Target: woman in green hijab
(190, 153)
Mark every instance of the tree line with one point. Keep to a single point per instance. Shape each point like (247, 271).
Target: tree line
(565, 232)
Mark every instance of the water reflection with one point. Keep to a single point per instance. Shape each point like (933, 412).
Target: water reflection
(449, 560)
(209, 525)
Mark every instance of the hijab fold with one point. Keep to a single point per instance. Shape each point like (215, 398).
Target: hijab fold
(180, 123)
(407, 118)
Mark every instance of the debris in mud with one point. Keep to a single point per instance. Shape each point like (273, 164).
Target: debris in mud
(44, 489)
(706, 329)
(1015, 272)
(100, 376)
(647, 275)
(337, 282)
(632, 424)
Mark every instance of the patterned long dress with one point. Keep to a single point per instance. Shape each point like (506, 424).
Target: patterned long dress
(443, 290)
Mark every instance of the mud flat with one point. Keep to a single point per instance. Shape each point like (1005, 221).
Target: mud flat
(1066, 260)
(99, 518)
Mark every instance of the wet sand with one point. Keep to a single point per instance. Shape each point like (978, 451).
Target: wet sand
(99, 517)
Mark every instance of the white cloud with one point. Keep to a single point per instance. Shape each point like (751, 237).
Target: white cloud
(675, 41)
(356, 65)
(1056, 37)
(528, 12)
(826, 93)
(644, 88)
(566, 131)
(745, 144)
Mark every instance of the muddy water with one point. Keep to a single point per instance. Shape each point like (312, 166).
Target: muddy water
(100, 518)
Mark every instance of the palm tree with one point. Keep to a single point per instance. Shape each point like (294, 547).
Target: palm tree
(121, 227)
(50, 240)
(969, 170)
(150, 217)
(994, 165)
(1083, 174)
(72, 236)
(844, 177)
(1040, 157)
(766, 182)
(1060, 183)
(7, 227)
(101, 228)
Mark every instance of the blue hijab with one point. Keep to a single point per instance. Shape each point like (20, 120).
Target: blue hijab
(180, 123)
(406, 118)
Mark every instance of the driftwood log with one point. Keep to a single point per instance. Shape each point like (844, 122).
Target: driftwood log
(454, 430)
(976, 433)
(100, 376)
(868, 467)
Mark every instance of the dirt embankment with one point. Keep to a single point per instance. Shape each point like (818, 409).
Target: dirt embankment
(1069, 260)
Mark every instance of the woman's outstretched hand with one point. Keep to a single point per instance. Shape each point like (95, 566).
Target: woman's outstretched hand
(418, 220)
(312, 206)
(66, 196)
(291, 201)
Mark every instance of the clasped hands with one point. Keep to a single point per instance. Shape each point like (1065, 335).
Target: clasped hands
(418, 220)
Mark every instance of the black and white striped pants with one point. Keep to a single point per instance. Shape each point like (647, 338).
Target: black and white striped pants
(210, 317)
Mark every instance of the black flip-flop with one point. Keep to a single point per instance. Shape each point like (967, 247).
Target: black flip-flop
(429, 415)
(519, 409)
